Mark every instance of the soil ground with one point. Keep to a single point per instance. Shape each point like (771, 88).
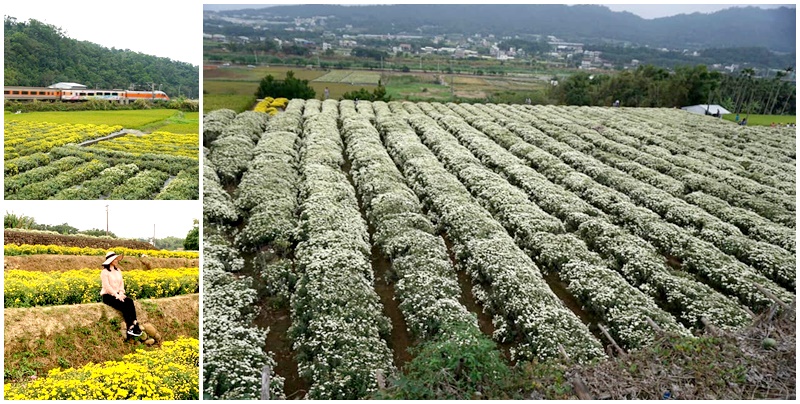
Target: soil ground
(50, 263)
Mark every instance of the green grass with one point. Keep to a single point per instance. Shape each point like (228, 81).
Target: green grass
(415, 91)
(229, 87)
(257, 73)
(763, 120)
(233, 88)
(351, 76)
(181, 122)
(130, 119)
(238, 103)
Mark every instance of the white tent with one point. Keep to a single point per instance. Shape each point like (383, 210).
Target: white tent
(702, 108)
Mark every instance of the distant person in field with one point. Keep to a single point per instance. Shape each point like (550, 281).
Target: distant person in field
(737, 118)
(113, 292)
(616, 104)
(327, 93)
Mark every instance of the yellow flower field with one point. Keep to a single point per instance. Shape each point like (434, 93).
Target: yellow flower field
(169, 373)
(33, 288)
(160, 142)
(28, 249)
(24, 138)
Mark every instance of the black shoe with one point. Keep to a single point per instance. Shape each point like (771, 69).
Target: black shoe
(135, 330)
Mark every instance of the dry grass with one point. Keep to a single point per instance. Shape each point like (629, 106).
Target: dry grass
(51, 263)
(716, 365)
(42, 338)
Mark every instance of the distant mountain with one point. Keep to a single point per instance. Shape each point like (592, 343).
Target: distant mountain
(774, 29)
(38, 54)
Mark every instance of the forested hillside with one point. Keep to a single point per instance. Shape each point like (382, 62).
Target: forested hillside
(38, 54)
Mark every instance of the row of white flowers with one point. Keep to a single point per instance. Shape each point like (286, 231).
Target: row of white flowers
(365, 110)
(775, 145)
(687, 146)
(217, 203)
(772, 261)
(506, 281)
(718, 269)
(427, 288)
(773, 170)
(233, 349)
(751, 224)
(631, 256)
(214, 123)
(337, 320)
(232, 151)
(267, 193)
(312, 107)
(766, 201)
(755, 226)
(290, 120)
(737, 140)
(598, 288)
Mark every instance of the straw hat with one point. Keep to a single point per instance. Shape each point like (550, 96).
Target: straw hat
(110, 257)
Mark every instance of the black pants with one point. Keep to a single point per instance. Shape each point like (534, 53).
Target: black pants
(125, 306)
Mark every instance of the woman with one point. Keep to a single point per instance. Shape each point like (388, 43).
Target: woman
(113, 292)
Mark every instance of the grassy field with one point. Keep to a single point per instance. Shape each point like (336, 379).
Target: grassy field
(351, 76)
(258, 73)
(233, 87)
(130, 119)
(238, 103)
(222, 85)
(763, 120)
(182, 122)
(230, 87)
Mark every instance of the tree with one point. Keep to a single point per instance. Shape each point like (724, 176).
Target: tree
(14, 221)
(97, 233)
(192, 241)
(290, 87)
(378, 94)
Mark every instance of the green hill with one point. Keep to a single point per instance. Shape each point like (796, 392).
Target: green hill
(39, 54)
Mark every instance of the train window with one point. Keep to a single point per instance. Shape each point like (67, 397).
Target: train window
(26, 93)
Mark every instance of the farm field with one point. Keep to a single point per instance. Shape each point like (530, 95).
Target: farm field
(131, 119)
(233, 87)
(763, 120)
(67, 159)
(350, 76)
(55, 329)
(372, 237)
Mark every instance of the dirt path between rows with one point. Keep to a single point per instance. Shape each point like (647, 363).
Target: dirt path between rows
(53, 262)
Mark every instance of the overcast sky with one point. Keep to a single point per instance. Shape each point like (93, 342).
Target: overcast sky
(643, 10)
(128, 219)
(161, 28)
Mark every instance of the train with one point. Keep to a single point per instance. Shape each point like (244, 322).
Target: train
(76, 95)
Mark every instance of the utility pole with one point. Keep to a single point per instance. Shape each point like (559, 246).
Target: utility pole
(154, 234)
(106, 220)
